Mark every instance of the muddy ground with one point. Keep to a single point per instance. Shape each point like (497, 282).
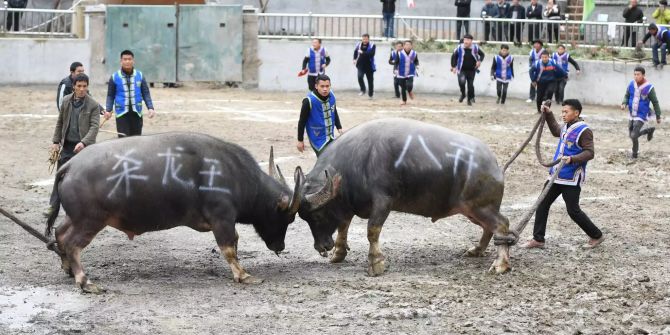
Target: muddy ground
(175, 282)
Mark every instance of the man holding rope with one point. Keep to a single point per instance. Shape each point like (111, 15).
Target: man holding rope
(76, 128)
(575, 146)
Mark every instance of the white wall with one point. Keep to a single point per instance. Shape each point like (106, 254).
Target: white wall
(40, 61)
(600, 82)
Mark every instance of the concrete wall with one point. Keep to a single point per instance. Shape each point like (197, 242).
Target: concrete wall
(40, 61)
(600, 82)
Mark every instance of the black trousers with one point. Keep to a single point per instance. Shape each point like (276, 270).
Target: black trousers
(545, 91)
(571, 197)
(369, 74)
(464, 24)
(552, 32)
(532, 93)
(487, 31)
(13, 20)
(560, 90)
(629, 35)
(501, 31)
(396, 86)
(467, 76)
(515, 32)
(635, 131)
(65, 155)
(311, 82)
(129, 124)
(501, 89)
(534, 32)
(406, 85)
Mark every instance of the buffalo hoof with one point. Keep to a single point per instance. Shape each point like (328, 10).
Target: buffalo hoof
(338, 255)
(251, 280)
(376, 268)
(91, 288)
(475, 252)
(497, 268)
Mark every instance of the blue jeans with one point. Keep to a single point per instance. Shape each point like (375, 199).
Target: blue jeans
(654, 52)
(388, 24)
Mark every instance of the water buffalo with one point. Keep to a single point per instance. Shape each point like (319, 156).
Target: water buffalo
(406, 166)
(151, 183)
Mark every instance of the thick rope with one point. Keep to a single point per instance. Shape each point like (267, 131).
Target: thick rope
(51, 244)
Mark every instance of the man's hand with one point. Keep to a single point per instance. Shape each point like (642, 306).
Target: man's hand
(55, 147)
(79, 147)
(493, 78)
(534, 84)
(453, 70)
(354, 61)
(107, 115)
(300, 146)
(152, 113)
(579, 72)
(340, 131)
(658, 120)
(623, 107)
(477, 65)
(545, 109)
(567, 159)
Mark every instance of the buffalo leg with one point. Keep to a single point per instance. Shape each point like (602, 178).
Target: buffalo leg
(494, 223)
(341, 246)
(480, 249)
(74, 239)
(226, 237)
(60, 233)
(376, 263)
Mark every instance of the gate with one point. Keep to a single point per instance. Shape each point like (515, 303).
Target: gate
(177, 43)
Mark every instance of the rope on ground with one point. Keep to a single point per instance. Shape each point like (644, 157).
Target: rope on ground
(51, 244)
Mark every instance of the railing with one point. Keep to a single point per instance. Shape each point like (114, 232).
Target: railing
(351, 27)
(37, 22)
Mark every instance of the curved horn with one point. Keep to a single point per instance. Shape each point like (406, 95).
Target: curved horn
(299, 178)
(273, 170)
(327, 192)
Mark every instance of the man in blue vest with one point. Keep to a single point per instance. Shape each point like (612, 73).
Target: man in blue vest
(502, 71)
(465, 62)
(533, 57)
(364, 60)
(545, 75)
(319, 117)
(575, 147)
(563, 59)
(315, 62)
(126, 90)
(406, 66)
(662, 37)
(640, 94)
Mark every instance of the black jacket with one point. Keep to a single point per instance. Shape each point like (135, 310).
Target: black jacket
(633, 15)
(364, 60)
(521, 12)
(469, 62)
(64, 89)
(503, 11)
(462, 8)
(388, 6)
(534, 14)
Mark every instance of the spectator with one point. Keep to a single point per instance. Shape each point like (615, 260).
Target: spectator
(534, 12)
(516, 12)
(662, 37)
(553, 13)
(632, 14)
(388, 11)
(489, 10)
(502, 27)
(14, 18)
(462, 10)
(364, 60)
(662, 13)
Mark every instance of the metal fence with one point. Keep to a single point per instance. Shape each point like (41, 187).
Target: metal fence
(37, 22)
(350, 27)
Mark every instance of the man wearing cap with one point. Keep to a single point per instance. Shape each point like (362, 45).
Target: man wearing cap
(662, 36)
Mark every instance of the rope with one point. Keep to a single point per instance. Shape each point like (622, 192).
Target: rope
(51, 244)
(513, 237)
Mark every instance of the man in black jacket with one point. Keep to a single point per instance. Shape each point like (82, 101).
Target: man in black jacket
(65, 86)
(14, 18)
(534, 12)
(462, 10)
(502, 28)
(465, 62)
(388, 11)
(364, 60)
(632, 14)
(517, 12)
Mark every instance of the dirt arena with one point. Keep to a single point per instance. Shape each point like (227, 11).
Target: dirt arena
(175, 282)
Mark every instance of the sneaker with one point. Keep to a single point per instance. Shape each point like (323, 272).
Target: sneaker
(529, 101)
(361, 93)
(469, 102)
(532, 244)
(660, 66)
(650, 134)
(592, 243)
(633, 155)
(498, 101)
(473, 99)
(461, 98)
(403, 103)
(502, 102)
(371, 97)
